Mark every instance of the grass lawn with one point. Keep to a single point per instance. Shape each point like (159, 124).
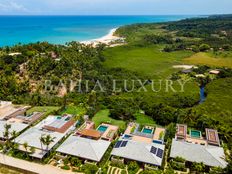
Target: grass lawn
(148, 61)
(103, 116)
(74, 110)
(46, 109)
(210, 59)
(144, 119)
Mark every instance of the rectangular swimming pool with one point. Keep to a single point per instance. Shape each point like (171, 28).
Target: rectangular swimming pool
(195, 134)
(102, 128)
(147, 131)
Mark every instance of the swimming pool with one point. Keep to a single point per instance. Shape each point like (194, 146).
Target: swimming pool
(102, 128)
(147, 131)
(195, 134)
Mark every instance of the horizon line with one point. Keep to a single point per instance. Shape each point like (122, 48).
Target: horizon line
(116, 14)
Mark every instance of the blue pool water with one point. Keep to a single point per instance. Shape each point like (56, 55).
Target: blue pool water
(102, 128)
(147, 131)
(62, 29)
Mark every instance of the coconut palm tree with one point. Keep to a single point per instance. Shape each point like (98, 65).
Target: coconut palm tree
(32, 150)
(6, 135)
(25, 145)
(6, 132)
(42, 142)
(14, 135)
(48, 140)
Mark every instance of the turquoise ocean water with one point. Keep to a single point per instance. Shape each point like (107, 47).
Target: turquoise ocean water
(62, 29)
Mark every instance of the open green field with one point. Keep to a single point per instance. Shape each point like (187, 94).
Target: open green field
(46, 109)
(144, 119)
(103, 117)
(210, 59)
(148, 61)
(74, 110)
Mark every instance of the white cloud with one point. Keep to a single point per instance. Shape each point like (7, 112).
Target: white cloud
(11, 6)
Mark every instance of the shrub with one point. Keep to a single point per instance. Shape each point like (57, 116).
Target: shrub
(65, 167)
(204, 47)
(89, 169)
(133, 167)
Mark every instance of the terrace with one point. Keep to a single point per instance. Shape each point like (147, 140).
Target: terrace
(104, 131)
(55, 126)
(147, 134)
(212, 137)
(8, 110)
(28, 119)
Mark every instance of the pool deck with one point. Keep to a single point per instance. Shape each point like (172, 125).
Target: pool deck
(110, 132)
(129, 128)
(157, 133)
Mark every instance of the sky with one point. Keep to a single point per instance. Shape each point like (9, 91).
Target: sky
(114, 7)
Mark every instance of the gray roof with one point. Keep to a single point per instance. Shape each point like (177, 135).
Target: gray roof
(84, 148)
(32, 137)
(18, 127)
(210, 155)
(139, 151)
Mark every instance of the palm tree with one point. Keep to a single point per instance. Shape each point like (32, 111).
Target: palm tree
(6, 132)
(25, 145)
(6, 135)
(42, 141)
(14, 135)
(48, 140)
(32, 150)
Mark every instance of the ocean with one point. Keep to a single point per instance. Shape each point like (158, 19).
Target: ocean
(62, 29)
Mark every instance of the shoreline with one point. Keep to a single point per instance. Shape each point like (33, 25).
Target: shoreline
(107, 39)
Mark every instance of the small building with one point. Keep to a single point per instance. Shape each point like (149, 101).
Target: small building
(211, 156)
(84, 148)
(193, 147)
(142, 152)
(142, 144)
(187, 71)
(56, 126)
(15, 54)
(215, 72)
(89, 143)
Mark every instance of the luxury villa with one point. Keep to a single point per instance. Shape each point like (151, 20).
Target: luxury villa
(145, 145)
(56, 126)
(88, 143)
(193, 147)
(15, 117)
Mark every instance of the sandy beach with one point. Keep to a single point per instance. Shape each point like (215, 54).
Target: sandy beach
(107, 39)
